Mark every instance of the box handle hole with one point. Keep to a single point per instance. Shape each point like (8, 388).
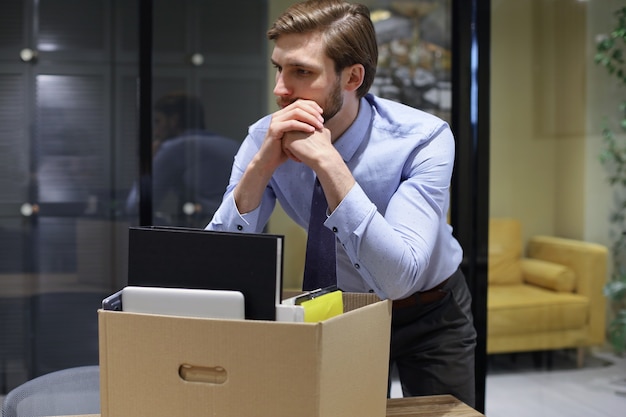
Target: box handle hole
(204, 374)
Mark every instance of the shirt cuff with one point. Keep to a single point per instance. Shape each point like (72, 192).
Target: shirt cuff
(351, 213)
(228, 218)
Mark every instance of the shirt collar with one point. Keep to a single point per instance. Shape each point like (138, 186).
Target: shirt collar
(349, 142)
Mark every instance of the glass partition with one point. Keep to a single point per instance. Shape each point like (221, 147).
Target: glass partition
(58, 219)
(208, 84)
(70, 152)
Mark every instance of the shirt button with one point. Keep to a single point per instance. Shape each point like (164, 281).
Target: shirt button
(239, 227)
(357, 266)
(335, 229)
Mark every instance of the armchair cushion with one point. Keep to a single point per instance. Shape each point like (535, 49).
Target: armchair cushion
(526, 309)
(548, 275)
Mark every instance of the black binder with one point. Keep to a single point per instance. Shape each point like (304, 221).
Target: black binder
(181, 257)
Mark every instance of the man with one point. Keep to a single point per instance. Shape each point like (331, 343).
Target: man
(191, 166)
(385, 172)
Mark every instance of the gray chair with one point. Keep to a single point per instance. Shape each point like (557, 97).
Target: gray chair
(69, 391)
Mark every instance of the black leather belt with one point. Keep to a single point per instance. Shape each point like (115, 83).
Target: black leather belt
(422, 297)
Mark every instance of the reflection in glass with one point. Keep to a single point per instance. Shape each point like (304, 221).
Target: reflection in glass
(414, 65)
(191, 165)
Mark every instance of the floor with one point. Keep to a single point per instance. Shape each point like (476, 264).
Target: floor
(524, 388)
(533, 385)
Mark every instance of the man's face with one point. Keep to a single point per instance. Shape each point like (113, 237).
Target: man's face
(305, 72)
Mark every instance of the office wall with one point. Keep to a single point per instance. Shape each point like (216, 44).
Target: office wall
(537, 116)
(523, 170)
(548, 99)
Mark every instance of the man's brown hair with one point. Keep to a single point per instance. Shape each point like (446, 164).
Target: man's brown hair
(347, 30)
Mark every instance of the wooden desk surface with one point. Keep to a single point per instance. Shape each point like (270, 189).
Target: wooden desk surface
(427, 406)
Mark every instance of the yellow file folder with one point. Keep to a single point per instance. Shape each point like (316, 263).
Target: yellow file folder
(323, 307)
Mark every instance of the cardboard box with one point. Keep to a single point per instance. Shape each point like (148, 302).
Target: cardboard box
(155, 365)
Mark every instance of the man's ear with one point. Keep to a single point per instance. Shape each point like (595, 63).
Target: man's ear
(354, 76)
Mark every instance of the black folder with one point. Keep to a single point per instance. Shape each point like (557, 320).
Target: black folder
(179, 257)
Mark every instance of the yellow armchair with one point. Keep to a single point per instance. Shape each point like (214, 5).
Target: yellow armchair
(549, 298)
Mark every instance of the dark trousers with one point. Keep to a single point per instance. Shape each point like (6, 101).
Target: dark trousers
(433, 341)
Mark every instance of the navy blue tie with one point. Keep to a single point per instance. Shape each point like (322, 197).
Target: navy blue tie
(320, 267)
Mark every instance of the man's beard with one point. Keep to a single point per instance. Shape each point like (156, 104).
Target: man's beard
(333, 104)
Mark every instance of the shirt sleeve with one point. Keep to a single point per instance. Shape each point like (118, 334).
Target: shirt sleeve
(392, 250)
(227, 217)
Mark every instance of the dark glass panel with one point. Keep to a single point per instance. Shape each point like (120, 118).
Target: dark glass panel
(71, 25)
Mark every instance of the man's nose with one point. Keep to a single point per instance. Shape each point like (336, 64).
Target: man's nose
(280, 89)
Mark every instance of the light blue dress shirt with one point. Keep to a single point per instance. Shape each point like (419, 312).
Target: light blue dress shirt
(392, 232)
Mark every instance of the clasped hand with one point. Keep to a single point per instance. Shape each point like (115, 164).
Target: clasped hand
(299, 130)
(307, 147)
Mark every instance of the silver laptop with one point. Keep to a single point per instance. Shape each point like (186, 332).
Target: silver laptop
(218, 304)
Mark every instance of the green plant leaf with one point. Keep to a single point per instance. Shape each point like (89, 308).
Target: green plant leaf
(615, 290)
(610, 54)
(617, 332)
